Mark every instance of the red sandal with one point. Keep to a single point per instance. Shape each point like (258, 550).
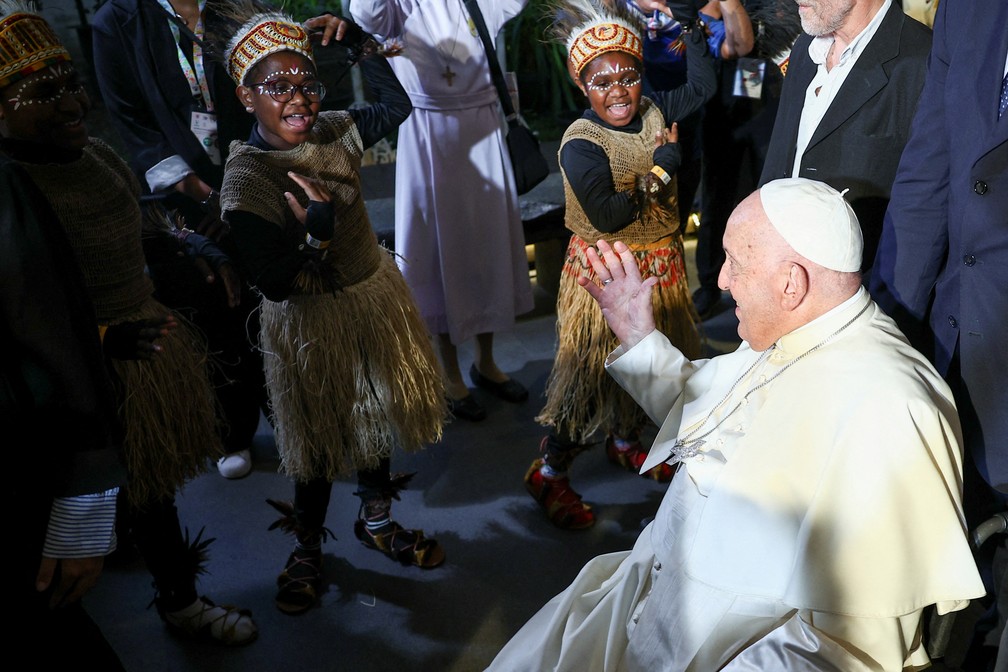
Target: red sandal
(562, 504)
(633, 458)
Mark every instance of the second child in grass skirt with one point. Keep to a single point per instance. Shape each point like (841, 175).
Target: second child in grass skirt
(617, 161)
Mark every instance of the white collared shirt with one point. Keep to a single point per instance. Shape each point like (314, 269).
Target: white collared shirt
(826, 83)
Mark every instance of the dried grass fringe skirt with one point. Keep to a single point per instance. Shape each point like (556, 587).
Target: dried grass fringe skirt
(169, 412)
(581, 398)
(351, 374)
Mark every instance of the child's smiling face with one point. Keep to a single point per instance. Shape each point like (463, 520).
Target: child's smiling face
(612, 83)
(284, 124)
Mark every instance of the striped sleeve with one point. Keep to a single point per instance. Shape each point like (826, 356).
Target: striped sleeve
(82, 526)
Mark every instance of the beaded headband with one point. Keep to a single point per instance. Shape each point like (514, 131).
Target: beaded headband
(27, 43)
(260, 36)
(600, 38)
(590, 28)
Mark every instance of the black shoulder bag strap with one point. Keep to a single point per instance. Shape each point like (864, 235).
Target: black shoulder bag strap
(495, 70)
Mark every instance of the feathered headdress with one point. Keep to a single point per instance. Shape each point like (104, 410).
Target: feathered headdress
(27, 42)
(776, 25)
(256, 31)
(590, 28)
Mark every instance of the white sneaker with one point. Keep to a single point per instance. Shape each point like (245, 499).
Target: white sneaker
(235, 465)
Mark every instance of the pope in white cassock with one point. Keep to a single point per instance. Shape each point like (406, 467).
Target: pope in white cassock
(817, 508)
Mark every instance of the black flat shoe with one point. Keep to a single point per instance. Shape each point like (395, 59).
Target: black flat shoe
(466, 408)
(510, 390)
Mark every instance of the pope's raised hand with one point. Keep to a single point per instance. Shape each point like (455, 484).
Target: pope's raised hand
(623, 296)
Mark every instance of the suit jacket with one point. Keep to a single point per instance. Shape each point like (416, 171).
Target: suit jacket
(943, 258)
(858, 143)
(142, 84)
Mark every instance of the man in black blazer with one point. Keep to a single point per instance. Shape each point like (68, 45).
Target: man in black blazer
(849, 96)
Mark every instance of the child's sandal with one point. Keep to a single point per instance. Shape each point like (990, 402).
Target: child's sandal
(299, 583)
(409, 547)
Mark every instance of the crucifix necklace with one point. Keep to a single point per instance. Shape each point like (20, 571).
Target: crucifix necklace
(689, 445)
(449, 74)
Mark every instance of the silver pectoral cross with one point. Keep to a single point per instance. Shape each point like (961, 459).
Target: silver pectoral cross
(680, 450)
(448, 74)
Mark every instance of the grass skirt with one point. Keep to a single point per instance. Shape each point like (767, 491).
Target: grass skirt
(351, 374)
(168, 409)
(581, 398)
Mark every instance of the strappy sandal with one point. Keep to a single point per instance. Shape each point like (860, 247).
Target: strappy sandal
(204, 620)
(409, 547)
(633, 458)
(299, 583)
(301, 580)
(561, 503)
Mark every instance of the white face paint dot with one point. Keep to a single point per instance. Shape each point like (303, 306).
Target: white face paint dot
(57, 71)
(628, 81)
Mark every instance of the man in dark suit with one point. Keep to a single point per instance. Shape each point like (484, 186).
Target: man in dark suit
(848, 99)
(942, 267)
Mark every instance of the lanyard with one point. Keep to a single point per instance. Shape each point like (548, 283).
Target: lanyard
(197, 79)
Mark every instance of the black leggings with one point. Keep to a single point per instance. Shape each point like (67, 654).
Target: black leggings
(311, 498)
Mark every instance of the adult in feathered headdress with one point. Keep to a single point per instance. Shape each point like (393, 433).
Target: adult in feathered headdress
(56, 385)
(166, 403)
(350, 368)
(618, 163)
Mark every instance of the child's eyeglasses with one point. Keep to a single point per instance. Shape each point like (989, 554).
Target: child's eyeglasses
(629, 80)
(283, 91)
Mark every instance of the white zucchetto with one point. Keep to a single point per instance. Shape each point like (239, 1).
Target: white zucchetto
(816, 221)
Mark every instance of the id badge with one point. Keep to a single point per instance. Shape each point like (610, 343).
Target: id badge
(204, 127)
(749, 74)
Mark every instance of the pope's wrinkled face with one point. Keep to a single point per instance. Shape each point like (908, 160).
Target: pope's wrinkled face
(612, 84)
(285, 95)
(752, 273)
(823, 17)
(47, 107)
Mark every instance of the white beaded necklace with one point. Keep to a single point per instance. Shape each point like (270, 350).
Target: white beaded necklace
(689, 445)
